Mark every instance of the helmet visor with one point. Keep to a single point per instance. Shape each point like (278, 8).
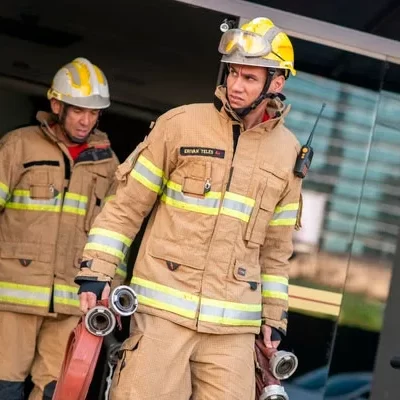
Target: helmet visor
(247, 43)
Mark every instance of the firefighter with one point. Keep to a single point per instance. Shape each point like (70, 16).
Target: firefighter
(212, 269)
(54, 177)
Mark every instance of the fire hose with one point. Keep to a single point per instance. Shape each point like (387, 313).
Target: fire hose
(86, 340)
(272, 366)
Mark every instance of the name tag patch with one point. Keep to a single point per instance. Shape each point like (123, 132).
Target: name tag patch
(202, 151)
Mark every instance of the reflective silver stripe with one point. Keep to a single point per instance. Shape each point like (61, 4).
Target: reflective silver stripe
(66, 294)
(108, 241)
(75, 203)
(275, 287)
(165, 301)
(229, 314)
(3, 193)
(20, 199)
(149, 175)
(121, 269)
(237, 206)
(209, 202)
(25, 297)
(290, 214)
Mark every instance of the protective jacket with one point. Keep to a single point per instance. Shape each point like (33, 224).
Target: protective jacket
(47, 205)
(224, 203)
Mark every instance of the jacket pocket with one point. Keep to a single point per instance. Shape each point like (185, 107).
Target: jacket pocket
(128, 358)
(243, 271)
(175, 255)
(197, 179)
(98, 191)
(268, 196)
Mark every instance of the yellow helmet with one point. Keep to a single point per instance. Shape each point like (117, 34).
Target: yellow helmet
(260, 43)
(81, 84)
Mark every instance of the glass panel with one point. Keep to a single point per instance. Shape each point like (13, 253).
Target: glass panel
(373, 254)
(349, 85)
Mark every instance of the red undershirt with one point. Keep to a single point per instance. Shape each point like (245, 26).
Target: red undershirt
(265, 117)
(76, 150)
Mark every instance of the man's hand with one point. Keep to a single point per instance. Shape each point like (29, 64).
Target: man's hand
(267, 332)
(88, 299)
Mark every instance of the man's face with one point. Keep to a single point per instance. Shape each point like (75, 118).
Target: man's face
(78, 122)
(245, 83)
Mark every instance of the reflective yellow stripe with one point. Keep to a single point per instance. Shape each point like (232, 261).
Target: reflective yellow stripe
(275, 287)
(174, 197)
(122, 270)
(111, 234)
(109, 198)
(29, 295)
(75, 203)
(150, 166)
(66, 295)
(105, 249)
(145, 182)
(229, 313)
(148, 174)
(165, 298)
(4, 192)
(285, 215)
(21, 200)
(239, 198)
(237, 206)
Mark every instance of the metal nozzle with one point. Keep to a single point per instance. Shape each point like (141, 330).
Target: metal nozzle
(283, 364)
(273, 392)
(123, 301)
(100, 321)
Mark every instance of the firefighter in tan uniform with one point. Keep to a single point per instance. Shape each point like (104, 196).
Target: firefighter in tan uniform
(54, 177)
(212, 269)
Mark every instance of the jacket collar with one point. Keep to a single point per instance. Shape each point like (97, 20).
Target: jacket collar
(275, 108)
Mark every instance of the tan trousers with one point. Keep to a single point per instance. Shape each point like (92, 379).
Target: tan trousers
(165, 361)
(33, 345)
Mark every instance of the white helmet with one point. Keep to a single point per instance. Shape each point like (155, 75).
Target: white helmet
(81, 84)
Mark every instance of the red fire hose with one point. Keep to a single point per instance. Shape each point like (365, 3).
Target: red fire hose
(80, 361)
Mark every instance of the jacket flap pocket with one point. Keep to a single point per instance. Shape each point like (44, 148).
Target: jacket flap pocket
(44, 192)
(247, 273)
(19, 251)
(272, 169)
(176, 253)
(193, 186)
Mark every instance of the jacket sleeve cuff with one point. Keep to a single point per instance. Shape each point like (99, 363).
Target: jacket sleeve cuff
(99, 266)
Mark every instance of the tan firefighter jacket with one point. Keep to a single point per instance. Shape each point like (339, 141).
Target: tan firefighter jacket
(47, 205)
(214, 257)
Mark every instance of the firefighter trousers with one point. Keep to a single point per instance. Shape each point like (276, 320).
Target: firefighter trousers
(34, 345)
(162, 360)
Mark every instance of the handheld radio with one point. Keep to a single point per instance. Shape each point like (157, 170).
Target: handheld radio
(305, 156)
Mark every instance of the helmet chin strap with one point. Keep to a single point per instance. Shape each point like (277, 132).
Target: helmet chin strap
(242, 112)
